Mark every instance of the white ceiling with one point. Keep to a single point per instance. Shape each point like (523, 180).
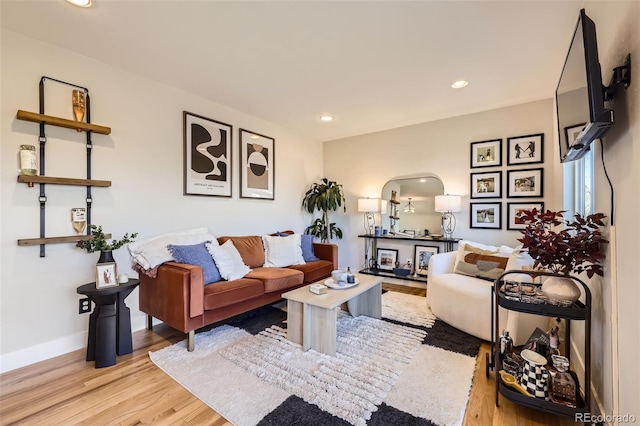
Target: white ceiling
(374, 65)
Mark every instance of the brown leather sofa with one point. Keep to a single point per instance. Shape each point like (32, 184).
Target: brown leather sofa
(178, 296)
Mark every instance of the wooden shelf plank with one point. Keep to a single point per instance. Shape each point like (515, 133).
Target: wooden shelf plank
(62, 122)
(57, 240)
(63, 181)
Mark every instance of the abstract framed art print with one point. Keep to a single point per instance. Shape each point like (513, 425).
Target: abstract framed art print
(257, 165)
(207, 156)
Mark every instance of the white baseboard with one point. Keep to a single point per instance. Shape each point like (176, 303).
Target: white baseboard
(578, 362)
(54, 348)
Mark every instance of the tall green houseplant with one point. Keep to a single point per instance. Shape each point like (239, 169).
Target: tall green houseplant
(324, 196)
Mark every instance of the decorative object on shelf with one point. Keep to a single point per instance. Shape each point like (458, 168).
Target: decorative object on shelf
(123, 278)
(421, 256)
(447, 205)
(106, 275)
(257, 165)
(106, 256)
(486, 153)
(486, 215)
(207, 156)
(535, 377)
(78, 103)
(515, 214)
(511, 381)
(324, 196)
(563, 386)
(386, 258)
(393, 214)
(486, 185)
(506, 344)
(371, 206)
(572, 250)
(99, 243)
(79, 219)
(402, 270)
(409, 208)
(525, 183)
(525, 149)
(28, 160)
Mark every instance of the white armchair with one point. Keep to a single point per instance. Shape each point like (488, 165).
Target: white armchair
(465, 303)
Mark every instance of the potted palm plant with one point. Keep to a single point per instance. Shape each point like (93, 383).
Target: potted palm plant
(574, 249)
(324, 196)
(99, 242)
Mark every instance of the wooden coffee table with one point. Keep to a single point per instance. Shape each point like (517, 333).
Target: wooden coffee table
(312, 318)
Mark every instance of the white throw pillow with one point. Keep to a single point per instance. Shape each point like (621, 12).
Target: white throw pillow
(151, 252)
(282, 251)
(517, 261)
(228, 261)
(478, 248)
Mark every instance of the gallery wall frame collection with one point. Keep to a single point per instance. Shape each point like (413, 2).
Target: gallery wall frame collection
(207, 160)
(521, 182)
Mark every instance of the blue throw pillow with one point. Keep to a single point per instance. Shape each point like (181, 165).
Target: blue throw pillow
(198, 255)
(306, 243)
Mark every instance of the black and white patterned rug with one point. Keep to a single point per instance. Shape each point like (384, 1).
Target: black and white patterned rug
(407, 369)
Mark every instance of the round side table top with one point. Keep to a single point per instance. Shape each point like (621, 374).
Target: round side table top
(90, 288)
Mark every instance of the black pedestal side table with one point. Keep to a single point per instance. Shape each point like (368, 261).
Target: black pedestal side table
(109, 323)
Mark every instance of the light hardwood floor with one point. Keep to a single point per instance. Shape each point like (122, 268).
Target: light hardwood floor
(67, 390)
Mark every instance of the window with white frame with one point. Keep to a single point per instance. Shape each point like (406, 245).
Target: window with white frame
(579, 185)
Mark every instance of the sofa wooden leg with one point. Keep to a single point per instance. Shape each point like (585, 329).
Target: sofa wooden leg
(149, 322)
(191, 341)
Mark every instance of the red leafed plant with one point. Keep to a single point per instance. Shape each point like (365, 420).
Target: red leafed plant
(574, 249)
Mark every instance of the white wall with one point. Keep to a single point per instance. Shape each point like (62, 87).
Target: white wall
(363, 164)
(619, 34)
(142, 157)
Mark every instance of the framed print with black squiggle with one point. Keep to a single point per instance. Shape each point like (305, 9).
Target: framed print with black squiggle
(257, 165)
(207, 156)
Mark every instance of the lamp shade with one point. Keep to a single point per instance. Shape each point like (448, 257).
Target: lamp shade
(368, 205)
(448, 203)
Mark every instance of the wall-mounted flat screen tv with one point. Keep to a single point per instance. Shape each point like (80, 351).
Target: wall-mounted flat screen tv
(580, 95)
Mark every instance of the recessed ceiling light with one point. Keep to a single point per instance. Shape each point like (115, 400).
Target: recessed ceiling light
(81, 3)
(459, 84)
(326, 117)
(423, 180)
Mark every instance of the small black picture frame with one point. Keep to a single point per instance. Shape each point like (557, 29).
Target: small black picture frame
(528, 149)
(485, 215)
(514, 223)
(486, 153)
(386, 259)
(486, 185)
(525, 183)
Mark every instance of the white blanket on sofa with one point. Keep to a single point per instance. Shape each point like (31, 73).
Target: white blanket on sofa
(153, 251)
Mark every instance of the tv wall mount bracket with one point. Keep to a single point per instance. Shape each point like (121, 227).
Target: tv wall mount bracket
(621, 76)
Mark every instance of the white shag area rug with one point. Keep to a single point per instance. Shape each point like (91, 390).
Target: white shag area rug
(250, 379)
